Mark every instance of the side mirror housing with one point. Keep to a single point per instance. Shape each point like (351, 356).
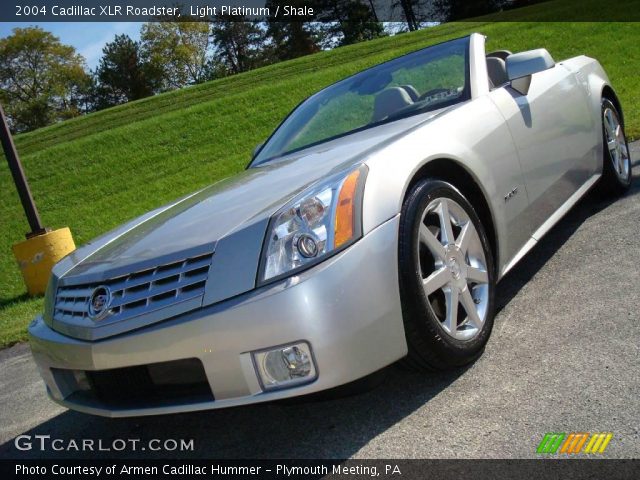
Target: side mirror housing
(520, 67)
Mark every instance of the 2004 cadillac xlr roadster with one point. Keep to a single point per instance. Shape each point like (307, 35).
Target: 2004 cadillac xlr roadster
(372, 226)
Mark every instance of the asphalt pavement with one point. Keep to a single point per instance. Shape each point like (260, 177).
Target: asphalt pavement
(563, 357)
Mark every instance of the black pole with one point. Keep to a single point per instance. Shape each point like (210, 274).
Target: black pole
(20, 180)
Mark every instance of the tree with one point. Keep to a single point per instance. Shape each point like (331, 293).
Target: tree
(215, 68)
(180, 49)
(351, 21)
(408, 9)
(461, 9)
(291, 39)
(41, 80)
(239, 43)
(122, 75)
(360, 25)
(417, 13)
(511, 4)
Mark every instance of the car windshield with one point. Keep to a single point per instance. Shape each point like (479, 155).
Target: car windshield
(426, 80)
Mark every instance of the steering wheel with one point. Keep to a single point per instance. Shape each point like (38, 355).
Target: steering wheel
(432, 92)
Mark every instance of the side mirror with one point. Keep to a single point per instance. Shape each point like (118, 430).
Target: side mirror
(256, 150)
(520, 67)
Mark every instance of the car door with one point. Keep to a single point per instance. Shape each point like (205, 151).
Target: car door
(552, 129)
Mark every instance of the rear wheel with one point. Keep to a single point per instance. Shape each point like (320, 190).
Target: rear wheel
(616, 170)
(447, 278)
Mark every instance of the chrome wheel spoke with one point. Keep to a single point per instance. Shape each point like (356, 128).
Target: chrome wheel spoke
(619, 158)
(618, 131)
(609, 130)
(624, 151)
(446, 229)
(451, 296)
(609, 123)
(470, 307)
(614, 159)
(431, 242)
(465, 236)
(477, 275)
(612, 145)
(625, 159)
(436, 280)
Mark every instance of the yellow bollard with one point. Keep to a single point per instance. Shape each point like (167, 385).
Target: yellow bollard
(37, 255)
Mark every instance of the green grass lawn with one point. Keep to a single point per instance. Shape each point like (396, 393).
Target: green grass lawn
(95, 172)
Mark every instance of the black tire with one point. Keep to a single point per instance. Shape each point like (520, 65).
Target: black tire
(430, 347)
(611, 183)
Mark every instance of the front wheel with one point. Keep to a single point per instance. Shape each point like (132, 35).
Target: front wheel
(616, 169)
(447, 278)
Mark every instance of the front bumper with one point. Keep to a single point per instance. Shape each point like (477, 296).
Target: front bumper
(347, 308)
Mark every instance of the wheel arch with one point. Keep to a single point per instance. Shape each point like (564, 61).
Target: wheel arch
(456, 174)
(609, 93)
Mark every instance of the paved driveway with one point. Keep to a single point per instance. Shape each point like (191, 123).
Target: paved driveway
(564, 356)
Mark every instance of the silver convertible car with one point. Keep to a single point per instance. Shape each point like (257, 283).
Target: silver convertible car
(372, 226)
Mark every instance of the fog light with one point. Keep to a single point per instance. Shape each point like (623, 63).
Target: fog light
(82, 382)
(285, 366)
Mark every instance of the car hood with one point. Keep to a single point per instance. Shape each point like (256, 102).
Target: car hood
(211, 214)
(202, 218)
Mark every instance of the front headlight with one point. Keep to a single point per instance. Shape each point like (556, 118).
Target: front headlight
(320, 222)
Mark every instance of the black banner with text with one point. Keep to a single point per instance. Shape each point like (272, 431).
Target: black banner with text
(422, 11)
(331, 469)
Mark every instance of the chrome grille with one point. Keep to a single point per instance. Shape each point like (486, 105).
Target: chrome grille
(137, 293)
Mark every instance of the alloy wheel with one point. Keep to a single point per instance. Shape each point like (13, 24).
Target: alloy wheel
(453, 267)
(616, 144)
